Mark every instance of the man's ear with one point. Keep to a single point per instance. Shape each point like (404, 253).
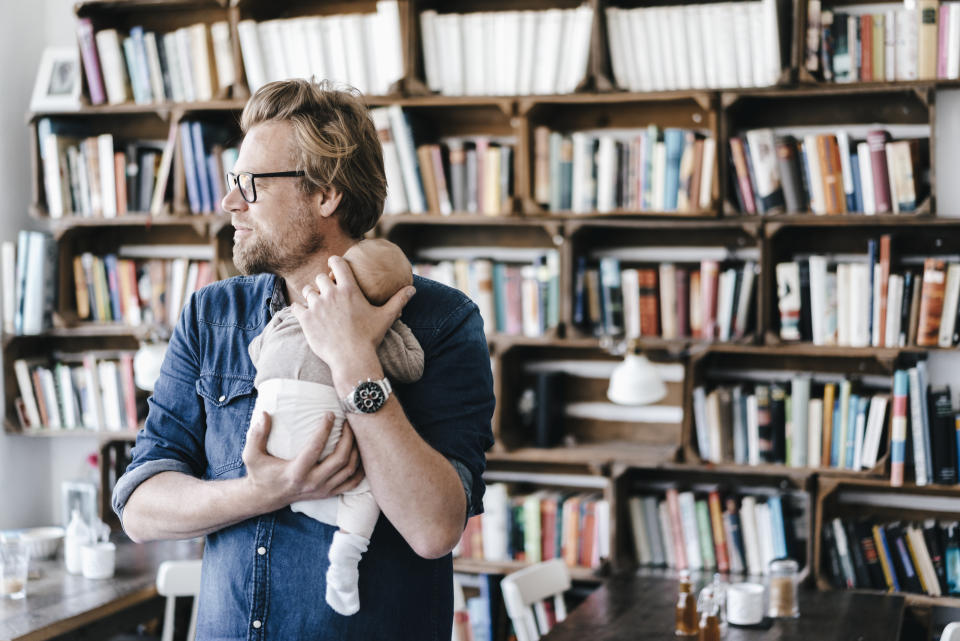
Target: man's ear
(328, 201)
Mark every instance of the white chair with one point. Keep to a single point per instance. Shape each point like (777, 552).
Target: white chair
(951, 632)
(524, 592)
(178, 578)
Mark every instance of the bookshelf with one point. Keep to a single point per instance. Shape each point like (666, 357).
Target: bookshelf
(622, 450)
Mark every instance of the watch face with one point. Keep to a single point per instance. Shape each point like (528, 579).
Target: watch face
(368, 397)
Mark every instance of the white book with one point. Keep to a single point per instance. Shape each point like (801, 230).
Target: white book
(431, 54)
(108, 182)
(691, 25)
(716, 438)
(814, 431)
(799, 445)
(153, 64)
(355, 51)
(771, 41)
(377, 82)
(666, 529)
(753, 431)
(751, 543)
(115, 78)
(843, 143)
(726, 38)
(890, 46)
(680, 50)
(874, 431)
(951, 298)
(8, 269)
(182, 42)
(252, 54)
(866, 178)
(474, 55)
(953, 40)
(548, 51)
(641, 540)
(907, 47)
(54, 178)
(657, 175)
(691, 538)
(859, 431)
(607, 171)
(176, 290)
(875, 339)
(396, 201)
(67, 396)
(616, 46)
(583, 25)
(295, 55)
(894, 303)
(316, 59)
(706, 173)
(173, 66)
(490, 65)
(921, 471)
(859, 312)
(725, 303)
(704, 14)
(764, 536)
(762, 149)
(271, 47)
(747, 279)
(700, 422)
(817, 203)
(671, 75)
(818, 298)
(759, 65)
(335, 49)
(223, 54)
(40, 273)
(894, 169)
(630, 287)
(745, 59)
(25, 383)
(529, 296)
(50, 400)
(408, 160)
(581, 192)
(390, 42)
(653, 47)
(527, 52)
(508, 37)
(668, 300)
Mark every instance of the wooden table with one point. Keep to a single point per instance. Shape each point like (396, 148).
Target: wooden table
(634, 606)
(58, 602)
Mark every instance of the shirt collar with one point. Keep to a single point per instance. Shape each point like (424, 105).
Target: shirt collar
(278, 296)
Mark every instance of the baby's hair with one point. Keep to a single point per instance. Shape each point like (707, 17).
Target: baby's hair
(380, 267)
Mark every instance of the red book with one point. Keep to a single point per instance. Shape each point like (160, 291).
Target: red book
(866, 48)
(876, 141)
(695, 311)
(709, 282)
(129, 390)
(885, 251)
(588, 532)
(649, 302)
(679, 548)
(719, 537)
(743, 175)
(548, 527)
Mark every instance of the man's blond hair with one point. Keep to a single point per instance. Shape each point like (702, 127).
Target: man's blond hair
(337, 144)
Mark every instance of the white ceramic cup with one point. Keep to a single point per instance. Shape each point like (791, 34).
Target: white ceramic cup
(745, 603)
(98, 560)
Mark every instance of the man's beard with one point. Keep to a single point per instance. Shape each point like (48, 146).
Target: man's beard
(282, 253)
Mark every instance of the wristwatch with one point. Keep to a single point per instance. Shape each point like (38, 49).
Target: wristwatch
(368, 396)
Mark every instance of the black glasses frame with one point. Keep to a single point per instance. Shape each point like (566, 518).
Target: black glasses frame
(233, 180)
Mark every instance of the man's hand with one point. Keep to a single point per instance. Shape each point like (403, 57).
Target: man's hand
(277, 482)
(338, 321)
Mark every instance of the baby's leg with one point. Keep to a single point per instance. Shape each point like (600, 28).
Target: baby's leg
(357, 515)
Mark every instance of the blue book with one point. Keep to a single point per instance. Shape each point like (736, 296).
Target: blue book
(23, 244)
(216, 181)
(199, 159)
(140, 65)
(885, 552)
(500, 297)
(848, 446)
(673, 140)
(953, 560)
(580, 293)
(611, 295)
(857, 184)
(777, 527)
(130, 56)
(113, 286)
(190, 169)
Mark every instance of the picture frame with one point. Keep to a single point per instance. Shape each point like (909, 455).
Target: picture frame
(58, 83)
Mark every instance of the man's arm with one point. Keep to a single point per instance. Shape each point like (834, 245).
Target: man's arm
(416, 486)
(157, 508)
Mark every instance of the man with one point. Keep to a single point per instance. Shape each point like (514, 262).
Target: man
(307, 184)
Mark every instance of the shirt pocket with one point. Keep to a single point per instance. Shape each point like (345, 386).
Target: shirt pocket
(228, 400)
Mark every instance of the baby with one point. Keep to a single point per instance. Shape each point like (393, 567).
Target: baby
(295, 387)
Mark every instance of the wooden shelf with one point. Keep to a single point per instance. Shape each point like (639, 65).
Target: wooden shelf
(771, 469)
(592, 454)
(92, 330)
(101, 436)
(479, 566)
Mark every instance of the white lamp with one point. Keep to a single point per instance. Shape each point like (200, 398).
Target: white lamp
(635, 381)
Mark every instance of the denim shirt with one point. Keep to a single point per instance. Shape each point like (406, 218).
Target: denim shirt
(264, 578)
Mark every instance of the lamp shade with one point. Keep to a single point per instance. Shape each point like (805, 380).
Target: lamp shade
(636, 381)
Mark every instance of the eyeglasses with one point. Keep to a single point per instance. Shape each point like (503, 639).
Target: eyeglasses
(245, 181)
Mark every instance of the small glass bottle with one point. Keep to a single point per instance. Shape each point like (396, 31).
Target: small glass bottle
(709, 606)
(783, 589)
(686, 613)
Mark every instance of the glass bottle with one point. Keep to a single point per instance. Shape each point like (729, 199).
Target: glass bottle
(709, 606)
(783, 589)
(686, 612)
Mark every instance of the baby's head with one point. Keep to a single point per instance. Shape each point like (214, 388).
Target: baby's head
(380, 267)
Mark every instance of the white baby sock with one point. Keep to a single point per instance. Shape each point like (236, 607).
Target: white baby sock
(342, 575)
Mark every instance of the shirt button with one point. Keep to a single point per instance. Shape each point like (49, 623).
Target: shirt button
(257, 624)
(222, 399)
(261, 550)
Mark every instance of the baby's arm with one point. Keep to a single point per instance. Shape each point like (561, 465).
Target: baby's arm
(400, 354)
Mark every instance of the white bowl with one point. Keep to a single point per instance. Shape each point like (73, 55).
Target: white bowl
(43, 541)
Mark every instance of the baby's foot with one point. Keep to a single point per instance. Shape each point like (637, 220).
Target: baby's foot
(342, 576)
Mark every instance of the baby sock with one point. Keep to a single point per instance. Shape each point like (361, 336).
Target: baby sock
(342, 575)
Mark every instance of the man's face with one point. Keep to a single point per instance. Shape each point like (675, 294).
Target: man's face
(279, 231)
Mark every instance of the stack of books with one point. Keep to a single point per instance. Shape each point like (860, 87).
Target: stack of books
(864, 301)
(803, 424)
(624, 170)
(207, 157)
(898, 556)
(190, 64)
(506, 53)
(29, 270)
(858, 44)
(93, 391)
(515, 299)
(544, 525)
(827, 173)
(712, 300)
(360, 49)
(703, 531)
(700, 46)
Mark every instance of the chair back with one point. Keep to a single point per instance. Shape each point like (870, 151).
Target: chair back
(951, 632)
(524, 592)
(178, 578)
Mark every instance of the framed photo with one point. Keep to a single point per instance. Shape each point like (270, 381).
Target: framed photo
(58, 81)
